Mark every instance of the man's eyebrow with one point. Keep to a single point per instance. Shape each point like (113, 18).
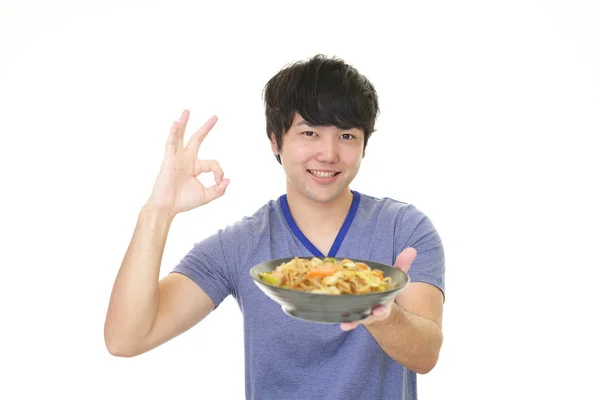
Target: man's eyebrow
(302, 122)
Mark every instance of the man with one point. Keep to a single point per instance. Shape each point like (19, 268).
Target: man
(320, 115)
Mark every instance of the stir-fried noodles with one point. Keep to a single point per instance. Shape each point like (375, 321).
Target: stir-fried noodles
(328, 276)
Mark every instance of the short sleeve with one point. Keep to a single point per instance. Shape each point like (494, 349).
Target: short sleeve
(416, 230)
(213, 263)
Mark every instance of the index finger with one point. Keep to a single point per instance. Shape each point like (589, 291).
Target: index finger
(196, 140)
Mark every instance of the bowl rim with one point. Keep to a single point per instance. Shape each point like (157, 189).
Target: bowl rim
(389, 291)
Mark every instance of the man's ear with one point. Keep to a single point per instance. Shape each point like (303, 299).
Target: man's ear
(274, 144)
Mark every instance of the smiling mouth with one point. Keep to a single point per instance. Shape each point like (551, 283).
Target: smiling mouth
(323, 174)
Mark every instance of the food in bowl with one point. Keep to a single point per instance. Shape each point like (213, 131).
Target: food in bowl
(328, 276)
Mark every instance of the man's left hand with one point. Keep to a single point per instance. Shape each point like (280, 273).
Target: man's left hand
(381, 312)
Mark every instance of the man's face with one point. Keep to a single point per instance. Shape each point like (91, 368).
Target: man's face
(320, 161)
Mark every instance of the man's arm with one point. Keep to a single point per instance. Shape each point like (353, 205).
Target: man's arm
(143, 312)
(412, 333)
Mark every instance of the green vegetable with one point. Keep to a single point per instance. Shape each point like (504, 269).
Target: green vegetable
(268, 278)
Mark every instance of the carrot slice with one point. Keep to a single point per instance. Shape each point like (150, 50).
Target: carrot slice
(321, 271)
(362, 266)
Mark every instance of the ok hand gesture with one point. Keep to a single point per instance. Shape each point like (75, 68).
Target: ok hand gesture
(177, 188)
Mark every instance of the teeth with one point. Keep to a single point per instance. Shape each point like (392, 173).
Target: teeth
(321, 174)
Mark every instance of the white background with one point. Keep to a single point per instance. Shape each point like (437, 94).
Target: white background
(489, 117)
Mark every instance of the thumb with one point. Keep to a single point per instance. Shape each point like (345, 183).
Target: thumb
(215, 191)
(405, 259)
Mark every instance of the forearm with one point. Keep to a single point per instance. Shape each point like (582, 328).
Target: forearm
(409, 339)
(133, 303)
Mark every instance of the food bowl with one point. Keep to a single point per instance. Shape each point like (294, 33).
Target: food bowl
(328, 308)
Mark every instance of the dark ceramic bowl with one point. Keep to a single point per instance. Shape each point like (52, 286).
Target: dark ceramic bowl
(328, 308)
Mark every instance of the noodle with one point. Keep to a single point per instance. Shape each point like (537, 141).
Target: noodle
(328, 276)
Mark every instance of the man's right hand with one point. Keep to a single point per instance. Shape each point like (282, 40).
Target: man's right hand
(177, 188)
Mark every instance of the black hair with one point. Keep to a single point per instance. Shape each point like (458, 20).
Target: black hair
(324, 91)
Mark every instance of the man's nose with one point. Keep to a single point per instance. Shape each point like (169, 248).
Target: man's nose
(328, 151)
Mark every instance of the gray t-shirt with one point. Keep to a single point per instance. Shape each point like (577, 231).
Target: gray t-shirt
(291, 359)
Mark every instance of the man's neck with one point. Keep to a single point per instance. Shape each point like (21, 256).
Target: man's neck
(310, 214)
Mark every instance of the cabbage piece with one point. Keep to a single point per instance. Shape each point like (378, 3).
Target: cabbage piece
(315, 261)
(268, 278)
(332, 279)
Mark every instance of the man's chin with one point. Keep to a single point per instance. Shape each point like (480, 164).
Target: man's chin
(325, 196)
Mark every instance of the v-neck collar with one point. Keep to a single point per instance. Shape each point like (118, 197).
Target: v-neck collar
(285, 208)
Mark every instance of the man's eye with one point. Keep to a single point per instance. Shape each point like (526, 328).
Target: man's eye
(308, 133)
(348, 136)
